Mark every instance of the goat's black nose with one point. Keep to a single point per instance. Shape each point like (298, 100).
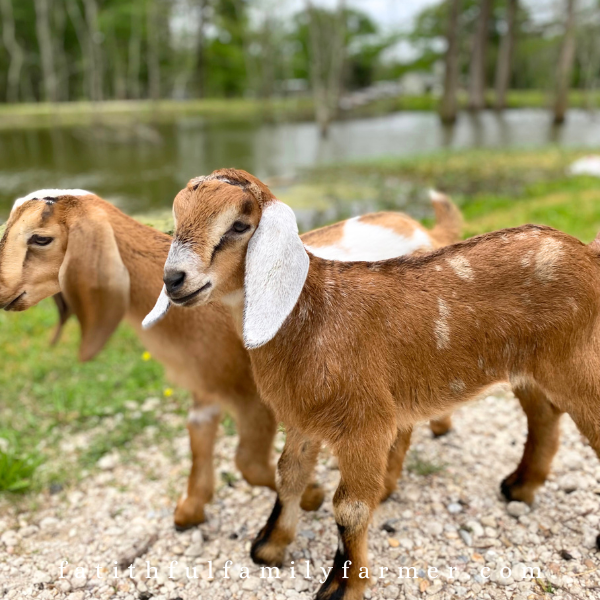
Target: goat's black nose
(173, 280)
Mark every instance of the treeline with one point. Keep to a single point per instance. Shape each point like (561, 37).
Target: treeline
(62, 50)
(94, 50)
(501, 44)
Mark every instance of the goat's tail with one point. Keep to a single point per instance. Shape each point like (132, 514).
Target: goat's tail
(448, 219)
(595, 244)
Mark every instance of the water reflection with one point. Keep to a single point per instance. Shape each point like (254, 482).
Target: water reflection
(140, 167)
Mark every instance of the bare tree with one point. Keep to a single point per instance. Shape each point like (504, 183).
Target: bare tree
(14, 51)
(449, 105)
(81, 32)
(134, 52)
(152, 56)
(327, 41)
(504, 64)
(44, 36)
(478, 52)
(94, 40)
(200, 48)
(564, 68)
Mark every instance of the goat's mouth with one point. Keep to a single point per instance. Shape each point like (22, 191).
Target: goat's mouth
(12, 305)
(192, 298)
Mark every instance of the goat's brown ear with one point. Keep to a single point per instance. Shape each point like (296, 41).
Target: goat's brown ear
(95, 282)
(64, 312)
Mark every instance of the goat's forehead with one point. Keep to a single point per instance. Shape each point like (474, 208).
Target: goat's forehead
(211, 199)
(49, 196)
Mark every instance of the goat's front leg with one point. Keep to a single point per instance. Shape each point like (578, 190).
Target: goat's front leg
(294, 470)
(358, 494)
(203, 422)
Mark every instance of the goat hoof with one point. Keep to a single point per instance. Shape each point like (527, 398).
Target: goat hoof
(440, 433)
(338, 589)
(265, 553)
(598, 542)
(512, 489)
(188, 514)
(312, 498)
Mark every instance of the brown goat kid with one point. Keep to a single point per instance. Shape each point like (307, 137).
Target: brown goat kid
(108, 267)
(354, 354)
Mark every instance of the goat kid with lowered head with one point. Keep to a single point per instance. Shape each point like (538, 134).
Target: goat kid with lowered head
(353, 354)
(104, 266)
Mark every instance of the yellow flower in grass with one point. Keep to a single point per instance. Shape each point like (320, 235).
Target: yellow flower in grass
(168, 392)
(146, 355)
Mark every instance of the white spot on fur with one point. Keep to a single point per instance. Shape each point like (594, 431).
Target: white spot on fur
(199, 416)
(276, 269)
(481, 363)
(461, 266)
(527, 258)
(546, 258)
(364, 241)
(519, 380)
(438, 267)
(457, 386)
(441, 327)
(42, 194)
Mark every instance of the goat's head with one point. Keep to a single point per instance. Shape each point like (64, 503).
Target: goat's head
(232, 235)
(59, 241)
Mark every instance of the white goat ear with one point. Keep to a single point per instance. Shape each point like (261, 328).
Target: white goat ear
(276, 269)
(158, 313)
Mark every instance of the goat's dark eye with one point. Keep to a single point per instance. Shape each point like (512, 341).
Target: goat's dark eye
(40, 240)
(240, 227)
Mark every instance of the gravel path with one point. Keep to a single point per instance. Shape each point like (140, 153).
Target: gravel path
(122, 512)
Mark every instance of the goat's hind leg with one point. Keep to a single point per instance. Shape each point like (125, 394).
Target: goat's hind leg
(294, 470)
(395, 462)
(256, 428)
(543, 438)
(203, 422)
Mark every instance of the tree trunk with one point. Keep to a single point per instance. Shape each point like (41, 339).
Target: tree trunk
(564, 69)
(448, 105)
(326, 64)
(44, 36)
(94, 41)
(477, 68)
(134, 53)
(152, 55)
(14, 51)
(200, 48)
(82, 37)
(504, 64)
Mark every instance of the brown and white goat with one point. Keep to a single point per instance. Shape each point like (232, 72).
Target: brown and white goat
(353, 354)
(108, 266)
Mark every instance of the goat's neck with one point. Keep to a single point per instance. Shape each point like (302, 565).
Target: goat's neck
(234, 301)
(144, 252)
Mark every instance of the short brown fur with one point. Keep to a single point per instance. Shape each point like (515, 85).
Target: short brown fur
(407, 339)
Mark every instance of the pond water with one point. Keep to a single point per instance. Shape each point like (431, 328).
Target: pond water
(141, 167)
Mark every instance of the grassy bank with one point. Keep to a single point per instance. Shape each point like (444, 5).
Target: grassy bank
(494, 189)
(59, 417)
(18, 116)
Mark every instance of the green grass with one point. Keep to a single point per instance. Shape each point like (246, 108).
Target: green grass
(33, 115)
(48, 397)
(415, 463)
(494, 188)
